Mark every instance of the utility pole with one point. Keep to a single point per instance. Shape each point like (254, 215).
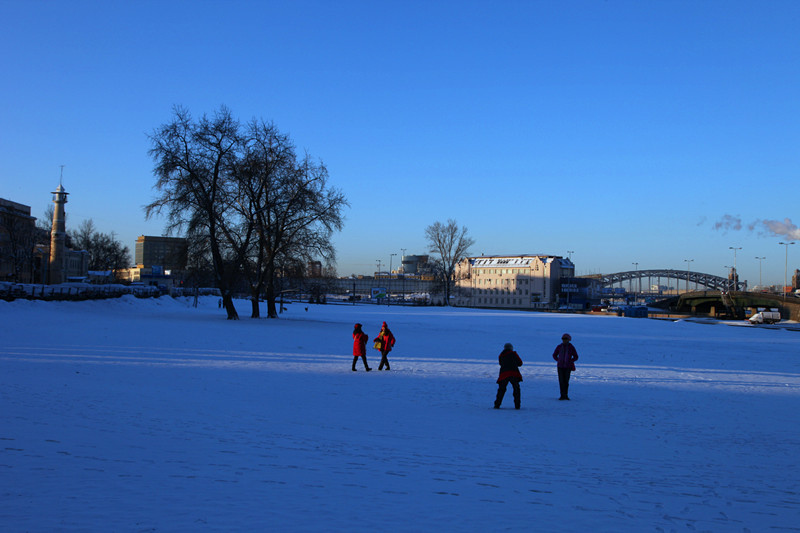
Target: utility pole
(389, 283)
(759, 272)
(402, 257)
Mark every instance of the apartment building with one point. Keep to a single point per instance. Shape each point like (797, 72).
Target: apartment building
(529, 281)
(16, 241)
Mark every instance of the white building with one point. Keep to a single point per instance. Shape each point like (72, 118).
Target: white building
(531, 281)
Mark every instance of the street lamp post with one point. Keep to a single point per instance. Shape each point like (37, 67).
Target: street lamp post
(636, 269)
(378, 274)
(389, 283)
(728, 270)
(786, 269)
(760, 286)
(544, 284)
(403, 256)
(735, 272)
(688, 264)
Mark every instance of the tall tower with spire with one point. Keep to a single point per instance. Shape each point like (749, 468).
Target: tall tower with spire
(58, 237)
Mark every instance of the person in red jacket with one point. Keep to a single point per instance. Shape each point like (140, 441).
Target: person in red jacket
(384, 342)
(566, 355)
(360, 346)
(509, 373)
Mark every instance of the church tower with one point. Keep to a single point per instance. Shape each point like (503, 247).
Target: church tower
(58, 238)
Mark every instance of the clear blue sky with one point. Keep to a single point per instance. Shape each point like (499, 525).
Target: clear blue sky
(641, 131)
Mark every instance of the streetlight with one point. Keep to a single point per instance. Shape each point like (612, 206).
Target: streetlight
(636, 269)
(544, 284)
(735, 272)
(786, 269)
(688, 264)
(389, 283)
(760, 286)
(403, 256)
(569, 254)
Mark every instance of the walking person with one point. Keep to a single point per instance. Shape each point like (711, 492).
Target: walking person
(566, 355)
(360, 347)
(384, 342)
(509, 373)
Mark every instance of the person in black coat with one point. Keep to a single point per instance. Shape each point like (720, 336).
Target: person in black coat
(509, 373)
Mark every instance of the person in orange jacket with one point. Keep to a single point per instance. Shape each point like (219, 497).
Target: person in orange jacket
(386, 340)
(360, 346)
(510, 362)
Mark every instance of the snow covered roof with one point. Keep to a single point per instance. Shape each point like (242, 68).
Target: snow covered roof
(508, 260)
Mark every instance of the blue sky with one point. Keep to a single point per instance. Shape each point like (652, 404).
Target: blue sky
(647, 132)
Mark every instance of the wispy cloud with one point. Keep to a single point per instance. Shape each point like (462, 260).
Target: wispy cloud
(778, 228)
(729, 222)
(772, 228)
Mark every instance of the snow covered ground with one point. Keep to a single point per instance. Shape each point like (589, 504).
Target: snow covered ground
(152, 415)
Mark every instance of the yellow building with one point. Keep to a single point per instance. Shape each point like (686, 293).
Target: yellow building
(531, 281)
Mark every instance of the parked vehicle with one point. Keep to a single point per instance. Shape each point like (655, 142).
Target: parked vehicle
(765, 316)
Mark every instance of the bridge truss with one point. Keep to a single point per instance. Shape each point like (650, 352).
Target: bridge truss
(710, 281)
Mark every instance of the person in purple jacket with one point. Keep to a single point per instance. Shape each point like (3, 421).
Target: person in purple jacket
(509, 373)
(566, 355)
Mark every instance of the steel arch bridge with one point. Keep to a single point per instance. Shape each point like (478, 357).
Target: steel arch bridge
(709, 281)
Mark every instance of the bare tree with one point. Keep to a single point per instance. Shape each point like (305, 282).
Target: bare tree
(246, 198)
(268, 154)
(451, 244)
(46, 222)
(105, 251)
(82, 237)
(193, 166)
(294, 211)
